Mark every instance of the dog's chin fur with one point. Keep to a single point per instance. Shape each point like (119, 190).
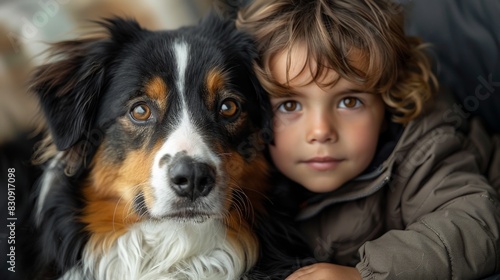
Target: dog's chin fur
(167, 250)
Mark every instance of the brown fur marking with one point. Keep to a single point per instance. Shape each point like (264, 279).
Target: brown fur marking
(110, 193)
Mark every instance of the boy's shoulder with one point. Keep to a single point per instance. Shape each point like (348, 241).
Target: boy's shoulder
(440, 117)
(443, 131)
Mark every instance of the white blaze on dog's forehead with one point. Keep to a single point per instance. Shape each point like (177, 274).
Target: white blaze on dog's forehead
(185, 137)
(181, 51)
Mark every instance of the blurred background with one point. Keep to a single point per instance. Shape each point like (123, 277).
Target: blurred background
(26, 26)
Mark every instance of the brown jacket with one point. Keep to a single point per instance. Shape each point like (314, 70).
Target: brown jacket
(426, 213)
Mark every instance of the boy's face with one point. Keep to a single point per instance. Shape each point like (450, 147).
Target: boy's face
(323, 136)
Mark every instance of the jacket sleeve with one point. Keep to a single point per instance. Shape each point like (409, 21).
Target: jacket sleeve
(450, 213)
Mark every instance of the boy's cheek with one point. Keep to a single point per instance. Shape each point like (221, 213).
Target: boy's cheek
(276, 157)
(279, 124)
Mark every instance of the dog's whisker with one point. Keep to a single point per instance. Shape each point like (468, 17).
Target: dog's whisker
(128, 206)
(242, 203)
(133, 203)
(260, 193)
(243, 197)
(225, 154)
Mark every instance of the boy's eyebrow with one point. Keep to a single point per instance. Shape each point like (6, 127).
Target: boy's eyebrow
(288, 94)
(355, 91)
(291, 93)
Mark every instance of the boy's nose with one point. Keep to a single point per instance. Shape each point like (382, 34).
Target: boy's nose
(321, 130)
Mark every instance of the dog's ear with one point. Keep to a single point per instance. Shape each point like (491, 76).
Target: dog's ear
(70, 86)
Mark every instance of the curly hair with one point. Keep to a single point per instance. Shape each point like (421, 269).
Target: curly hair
(336, 33)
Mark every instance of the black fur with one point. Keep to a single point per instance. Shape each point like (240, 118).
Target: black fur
(282, 248)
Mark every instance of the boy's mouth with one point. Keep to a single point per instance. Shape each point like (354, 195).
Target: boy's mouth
(322, 163)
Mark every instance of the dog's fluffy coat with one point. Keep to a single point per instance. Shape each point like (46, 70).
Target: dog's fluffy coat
(158, 170)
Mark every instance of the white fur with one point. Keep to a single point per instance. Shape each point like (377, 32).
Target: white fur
(166, 250)
(181, 51)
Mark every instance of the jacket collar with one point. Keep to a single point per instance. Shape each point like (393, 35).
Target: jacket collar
(360, 187)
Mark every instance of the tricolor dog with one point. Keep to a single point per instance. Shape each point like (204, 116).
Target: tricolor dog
(154, 167)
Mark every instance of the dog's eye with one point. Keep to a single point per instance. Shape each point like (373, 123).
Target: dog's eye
(229, 108)
(140, 112)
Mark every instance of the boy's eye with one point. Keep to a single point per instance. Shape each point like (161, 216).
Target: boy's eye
(289, 106)
(350, 103)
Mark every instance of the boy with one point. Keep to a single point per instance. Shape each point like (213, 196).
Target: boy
(387, 182)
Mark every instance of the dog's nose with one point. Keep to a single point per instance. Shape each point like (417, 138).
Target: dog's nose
(190, 178)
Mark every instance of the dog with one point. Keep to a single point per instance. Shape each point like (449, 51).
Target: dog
(153, 165)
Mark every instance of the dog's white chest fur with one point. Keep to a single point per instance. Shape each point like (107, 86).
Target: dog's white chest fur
(165, 250)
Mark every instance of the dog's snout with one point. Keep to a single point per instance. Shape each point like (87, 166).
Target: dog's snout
(190, 178)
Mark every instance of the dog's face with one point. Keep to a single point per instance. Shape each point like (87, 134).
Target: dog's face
(162, 125)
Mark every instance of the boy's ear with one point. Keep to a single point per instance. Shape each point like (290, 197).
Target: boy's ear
(70, 87)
